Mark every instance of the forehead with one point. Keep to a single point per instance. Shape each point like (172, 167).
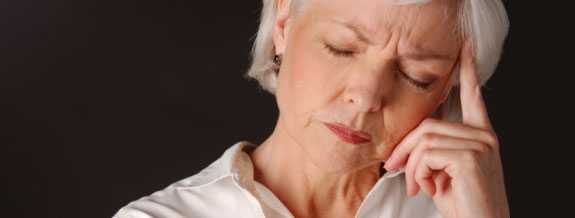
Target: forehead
(427, 25)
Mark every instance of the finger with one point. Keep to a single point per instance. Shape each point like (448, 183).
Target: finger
(435, 160)
(435, 141)
(442, 182)
(411, 186)
(472, 104)
(400, 154)
(424, 178)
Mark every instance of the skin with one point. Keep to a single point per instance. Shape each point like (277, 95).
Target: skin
(330, 73)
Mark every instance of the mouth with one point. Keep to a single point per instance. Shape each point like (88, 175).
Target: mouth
(348, 135)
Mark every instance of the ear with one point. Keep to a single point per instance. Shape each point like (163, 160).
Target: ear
(281, 27)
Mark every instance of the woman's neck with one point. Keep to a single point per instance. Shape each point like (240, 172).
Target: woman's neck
(306, 190)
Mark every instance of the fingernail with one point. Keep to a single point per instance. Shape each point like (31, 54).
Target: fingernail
(388, 165)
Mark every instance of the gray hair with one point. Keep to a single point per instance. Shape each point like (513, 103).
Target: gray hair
(485, 22)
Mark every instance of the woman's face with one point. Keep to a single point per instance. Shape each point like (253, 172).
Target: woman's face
(371, 65)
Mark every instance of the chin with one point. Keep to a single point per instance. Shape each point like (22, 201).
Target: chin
(339, 157)
(333, 155)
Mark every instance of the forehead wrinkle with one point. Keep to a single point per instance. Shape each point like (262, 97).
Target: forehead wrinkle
(421, 38)
(391, 20)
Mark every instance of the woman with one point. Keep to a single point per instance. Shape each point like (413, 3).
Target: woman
(381, 115)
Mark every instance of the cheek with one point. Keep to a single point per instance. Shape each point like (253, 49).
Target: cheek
(416, 107)
(303, 82)
(409, 114)
(411, 104)
(405, 113)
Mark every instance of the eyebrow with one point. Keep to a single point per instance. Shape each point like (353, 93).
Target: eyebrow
(417, 53)
(420, 53)
(357, 30)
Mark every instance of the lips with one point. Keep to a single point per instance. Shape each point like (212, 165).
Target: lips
(347, 134)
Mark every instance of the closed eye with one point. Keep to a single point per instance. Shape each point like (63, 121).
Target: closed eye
(423, 85)
(339, 52)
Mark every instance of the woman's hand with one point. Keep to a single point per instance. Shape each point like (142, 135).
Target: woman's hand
(457, 164)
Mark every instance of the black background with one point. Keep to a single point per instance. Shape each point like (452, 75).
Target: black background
(103, 102)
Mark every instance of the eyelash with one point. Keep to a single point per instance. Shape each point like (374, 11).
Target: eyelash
(418, 84)
(339, 52)
(347, 53)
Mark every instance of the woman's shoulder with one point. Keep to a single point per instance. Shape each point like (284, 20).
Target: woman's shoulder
(209, 193)
(175, 201)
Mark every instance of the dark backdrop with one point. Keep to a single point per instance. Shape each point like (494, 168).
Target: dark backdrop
(103, 102)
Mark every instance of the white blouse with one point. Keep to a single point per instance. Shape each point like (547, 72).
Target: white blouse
(226, 188)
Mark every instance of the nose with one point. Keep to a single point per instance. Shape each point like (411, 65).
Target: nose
(363, 101)
(365, 92)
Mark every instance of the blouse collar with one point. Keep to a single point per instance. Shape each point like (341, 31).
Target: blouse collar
(236, 163)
